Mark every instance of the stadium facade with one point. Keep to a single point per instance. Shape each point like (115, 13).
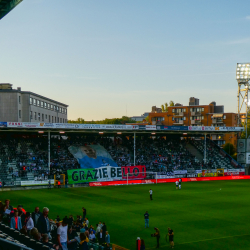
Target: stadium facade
(25, 106)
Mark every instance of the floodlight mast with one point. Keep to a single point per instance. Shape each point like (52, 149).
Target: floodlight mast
(243, 77)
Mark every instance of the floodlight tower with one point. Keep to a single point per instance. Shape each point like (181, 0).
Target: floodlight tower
(243, 77)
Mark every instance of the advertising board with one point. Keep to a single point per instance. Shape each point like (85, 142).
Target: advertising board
(37, 183)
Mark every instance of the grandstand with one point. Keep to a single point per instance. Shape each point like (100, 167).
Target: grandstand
(24, 157)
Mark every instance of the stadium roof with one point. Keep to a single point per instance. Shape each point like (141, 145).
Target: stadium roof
(113, 128)
(7, 5)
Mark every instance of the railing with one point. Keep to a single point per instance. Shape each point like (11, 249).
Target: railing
(178, 114)
(6, 244)
(179, 122)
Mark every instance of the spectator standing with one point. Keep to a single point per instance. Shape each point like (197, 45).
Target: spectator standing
(98, 228)
(146, 217)
(107, 238)
(58, 218)
(84, 211)
(100, 237)
(142, 245)
(84, 242)
(29, 222)
(35, 216)
(171, 237)
(104, 228)
(62, 234)
(15, 221)
(151, 194)
(72, 243)
(43, 224)
(157, 235)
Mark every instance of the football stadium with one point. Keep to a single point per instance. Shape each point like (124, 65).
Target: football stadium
(177, 177)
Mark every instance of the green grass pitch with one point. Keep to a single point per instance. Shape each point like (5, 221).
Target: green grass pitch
(203, 215)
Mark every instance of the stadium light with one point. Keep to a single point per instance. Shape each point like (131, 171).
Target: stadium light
(243, 71)
(184, 133)
(100, 133)
(61, 132)
(40, 132)
(152, 133)
(119, 133)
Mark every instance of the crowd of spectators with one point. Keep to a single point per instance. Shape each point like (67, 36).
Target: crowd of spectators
(66, 233)
(158, 154)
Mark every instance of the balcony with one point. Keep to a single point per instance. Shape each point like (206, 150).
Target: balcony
(181, 122)
(157, 122)
(178, 114)
(195, 113)
(217, 121)
(195, 122)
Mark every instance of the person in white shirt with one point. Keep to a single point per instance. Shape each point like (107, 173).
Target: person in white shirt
(87, 221)
(177, 184)
(62, 234)
(29, 222)
(151, 194)
(92, 237)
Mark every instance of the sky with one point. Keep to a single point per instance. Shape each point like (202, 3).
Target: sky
(110, 58)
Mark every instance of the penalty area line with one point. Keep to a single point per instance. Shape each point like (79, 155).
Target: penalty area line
(226, 237)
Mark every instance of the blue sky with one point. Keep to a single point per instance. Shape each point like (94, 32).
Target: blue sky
(100, 57)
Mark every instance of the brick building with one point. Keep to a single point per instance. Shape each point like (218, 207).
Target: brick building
(197, 115)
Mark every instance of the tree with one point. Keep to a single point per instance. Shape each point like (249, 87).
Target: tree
(171, 103)
(122, 120)
(229, 148)
(79, 121)
(165, 106)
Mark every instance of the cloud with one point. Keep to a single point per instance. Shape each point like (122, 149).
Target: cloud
(248, 17)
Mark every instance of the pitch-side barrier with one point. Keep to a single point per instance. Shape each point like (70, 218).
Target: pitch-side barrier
(157, 181)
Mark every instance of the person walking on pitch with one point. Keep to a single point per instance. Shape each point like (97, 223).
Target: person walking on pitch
(151, 194)
(180, 181)
(177, 184)
(146, 217)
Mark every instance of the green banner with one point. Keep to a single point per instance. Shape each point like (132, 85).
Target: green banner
(82, 175)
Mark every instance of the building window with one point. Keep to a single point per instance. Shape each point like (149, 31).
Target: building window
(60, 120)
(30, 114)
(54, 108)
(19, 99)
(57, 119)
(35, 115)
(42, 104)
(184, 110)
(38, 103)
(43, 117)
(20, 114)
(46, 117)
(60, 110)
(202, 118)
(45, 105)
(173, 110)
(49, 118)
(48, 106)
(52, 119)
(184, 118)
(65, 111)
(31, 101)
(65, 120)
(202, 109)
(38, 116)
(34, 102)
(224, 117)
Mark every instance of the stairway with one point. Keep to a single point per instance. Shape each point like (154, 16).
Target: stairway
(194, 152)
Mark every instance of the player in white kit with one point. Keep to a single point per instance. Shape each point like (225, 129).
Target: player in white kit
(177, 184)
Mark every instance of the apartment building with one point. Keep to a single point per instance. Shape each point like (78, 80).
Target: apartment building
(25, 106)
(197, 115)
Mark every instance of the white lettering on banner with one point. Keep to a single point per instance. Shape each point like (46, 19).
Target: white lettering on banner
(36, 183)
(180, 172)
(150, 127)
